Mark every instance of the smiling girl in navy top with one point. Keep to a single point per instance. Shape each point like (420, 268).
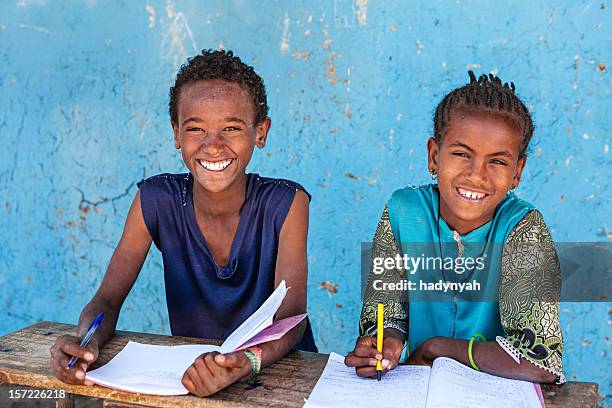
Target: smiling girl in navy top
(227, 238)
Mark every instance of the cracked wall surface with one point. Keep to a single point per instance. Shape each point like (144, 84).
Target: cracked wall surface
(352, 86)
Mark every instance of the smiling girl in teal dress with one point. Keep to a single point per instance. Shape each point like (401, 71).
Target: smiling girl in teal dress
(477, 155)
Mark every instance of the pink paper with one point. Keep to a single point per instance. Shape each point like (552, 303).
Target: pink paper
(539, 392)
(274, 332)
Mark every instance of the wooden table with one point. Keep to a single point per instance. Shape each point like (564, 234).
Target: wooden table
(24, 361)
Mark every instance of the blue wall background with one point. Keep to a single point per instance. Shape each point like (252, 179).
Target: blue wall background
(352, 87)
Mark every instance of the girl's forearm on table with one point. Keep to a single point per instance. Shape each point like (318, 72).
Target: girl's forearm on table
(489, 357)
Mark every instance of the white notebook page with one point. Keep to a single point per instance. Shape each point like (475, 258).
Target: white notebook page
(149, 369)
(339, 387)
(158, 370)
(262, 318)
(454, 385)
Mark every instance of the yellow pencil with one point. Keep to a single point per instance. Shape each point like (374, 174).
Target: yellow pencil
(379, 337)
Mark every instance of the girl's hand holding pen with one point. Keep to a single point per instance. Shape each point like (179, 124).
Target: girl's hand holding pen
(63, 350)
(365, 356)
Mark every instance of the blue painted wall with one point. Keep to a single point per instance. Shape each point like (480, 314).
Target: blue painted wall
(352, 87)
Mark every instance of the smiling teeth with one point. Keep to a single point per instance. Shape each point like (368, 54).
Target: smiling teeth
(215, 166)
(471, 195)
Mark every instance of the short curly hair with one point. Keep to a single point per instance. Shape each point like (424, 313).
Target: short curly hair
(223, 65)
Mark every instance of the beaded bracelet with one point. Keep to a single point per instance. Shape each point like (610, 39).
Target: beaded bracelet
(254, 356)
(474, 337)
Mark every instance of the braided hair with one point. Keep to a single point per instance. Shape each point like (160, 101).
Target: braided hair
(485, 95)
(223, 65)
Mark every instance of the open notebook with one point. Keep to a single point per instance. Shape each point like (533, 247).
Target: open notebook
(447, 384)
(158, 370)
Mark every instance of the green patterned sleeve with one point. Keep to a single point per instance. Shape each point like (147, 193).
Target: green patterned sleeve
(396, 306)
(529, 296)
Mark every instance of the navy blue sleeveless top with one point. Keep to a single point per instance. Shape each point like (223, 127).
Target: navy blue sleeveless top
(204, 299)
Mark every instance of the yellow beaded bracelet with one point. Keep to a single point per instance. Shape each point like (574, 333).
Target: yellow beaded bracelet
(474, 337)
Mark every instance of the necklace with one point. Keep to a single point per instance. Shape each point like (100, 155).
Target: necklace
(461, 250)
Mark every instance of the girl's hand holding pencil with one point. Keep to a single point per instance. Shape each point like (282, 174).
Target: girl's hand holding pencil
(365, 356)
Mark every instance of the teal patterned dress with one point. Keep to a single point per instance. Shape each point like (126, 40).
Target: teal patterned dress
(519, 301)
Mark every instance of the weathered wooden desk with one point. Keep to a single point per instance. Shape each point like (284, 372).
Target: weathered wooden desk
(24, 361)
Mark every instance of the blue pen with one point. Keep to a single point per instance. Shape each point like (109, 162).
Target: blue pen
(93, 327)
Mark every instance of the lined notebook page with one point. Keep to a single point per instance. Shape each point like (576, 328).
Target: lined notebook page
(455, 385)
(262, 318)
(339, 387)
(149, 369)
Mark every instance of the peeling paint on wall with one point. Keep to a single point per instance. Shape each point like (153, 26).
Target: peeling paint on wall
(362, 11)
(173, 41)
(152, 15)
(284, 44)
